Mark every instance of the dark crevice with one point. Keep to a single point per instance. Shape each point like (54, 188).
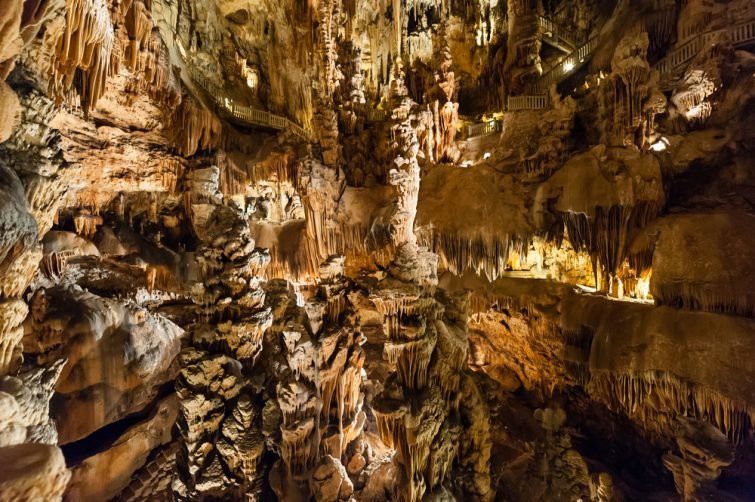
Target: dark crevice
(103, 438)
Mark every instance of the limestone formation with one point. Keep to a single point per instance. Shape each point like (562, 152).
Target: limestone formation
(377, 250)
(629, 98)
(126, 455)
(88, 332)
(32, 472)
(704, 452)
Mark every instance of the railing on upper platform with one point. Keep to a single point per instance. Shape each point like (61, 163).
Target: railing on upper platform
(243, 113)
(669, 66)
(564, 67)
(376, 115)
(555, 34)
(528, 102)
(536, 97)
(483, 128)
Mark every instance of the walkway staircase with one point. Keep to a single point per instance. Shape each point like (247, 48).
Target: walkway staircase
(244, 114)
(577, 53)
(554, 35)
(536, 97)
(672, 67)
(536, 93)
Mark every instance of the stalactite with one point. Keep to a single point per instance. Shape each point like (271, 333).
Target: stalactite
(661, 26)
(629, 99)
(524, 44)
(488, 256)
(194, 128)
(138, 22)
(445, 110)
(607, 236)
(277, 167)
(698, 296)
(325, 233)
(654, 397)
(233, 179)
(693, 95)
(83, 52)
(411, 358)
(329, 14)
(320, 392)
(54, 264)
(86, 223)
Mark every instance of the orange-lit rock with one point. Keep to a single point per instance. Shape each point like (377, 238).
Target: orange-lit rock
(370, 250)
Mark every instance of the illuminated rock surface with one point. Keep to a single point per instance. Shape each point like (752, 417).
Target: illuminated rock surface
(369, 250)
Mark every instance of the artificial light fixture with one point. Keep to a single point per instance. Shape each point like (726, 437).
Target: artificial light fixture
(659, 145)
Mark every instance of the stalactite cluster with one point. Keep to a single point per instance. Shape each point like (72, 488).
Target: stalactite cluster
(490, 258)
(607, 236)
(372, 250)
(319, 397)
(445, 110)
(83, 52)
(194, 127)
(421, 409)
(656, 397)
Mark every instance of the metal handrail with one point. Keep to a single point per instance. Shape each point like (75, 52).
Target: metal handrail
(483, 128)
(564, 66)
(527, 102)
(229, 107)
(558, 33)
(738, 34)
(537, 99)
(376, 115)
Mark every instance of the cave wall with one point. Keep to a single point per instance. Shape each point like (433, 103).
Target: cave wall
(260, 251)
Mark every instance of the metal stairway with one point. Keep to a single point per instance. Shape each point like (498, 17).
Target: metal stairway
(535, 97)
(672, 66)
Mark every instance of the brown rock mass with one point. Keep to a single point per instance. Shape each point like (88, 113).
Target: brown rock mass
(369, 250)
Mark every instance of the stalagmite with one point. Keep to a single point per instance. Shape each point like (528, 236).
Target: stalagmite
(417, 410)
(630, 99)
